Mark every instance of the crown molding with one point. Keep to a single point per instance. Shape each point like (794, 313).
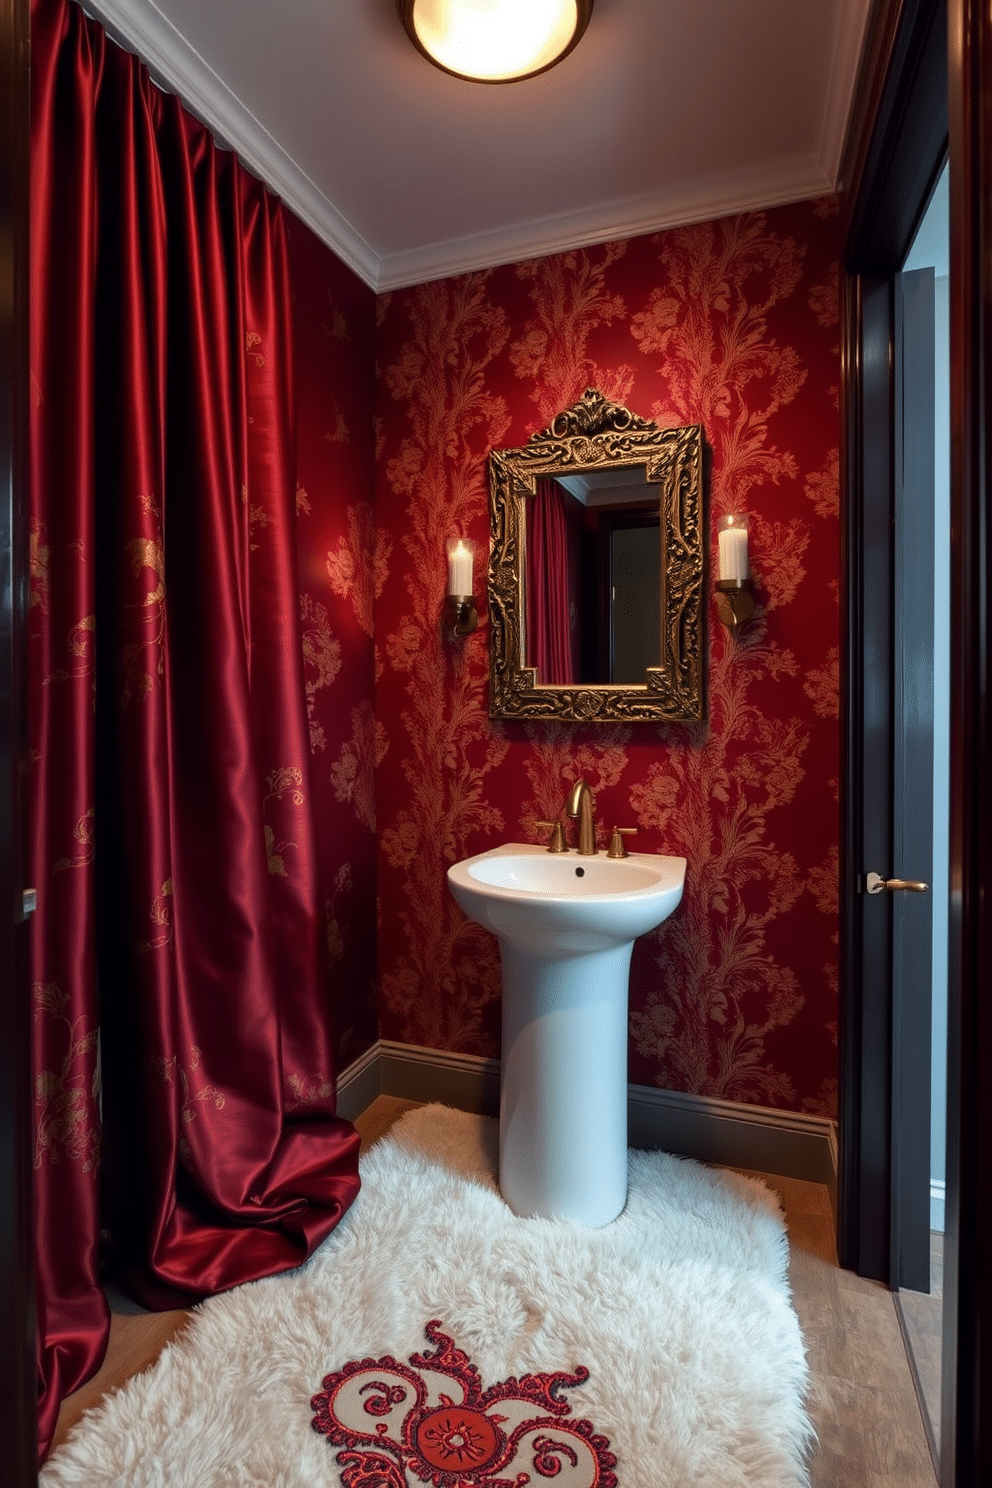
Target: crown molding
(844, 67)
(175, 65)
(717, 196)
(140, 27)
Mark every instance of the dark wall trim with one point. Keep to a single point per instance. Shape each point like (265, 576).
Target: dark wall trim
(897, 156)
(967, 1363)
(881, 35)
(18, 1430)
(788, 1143)
(903, 138)
(864, 1238)
(899, 161)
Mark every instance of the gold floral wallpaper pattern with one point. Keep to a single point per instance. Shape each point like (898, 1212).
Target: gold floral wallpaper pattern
(732, 324)
(333, 341)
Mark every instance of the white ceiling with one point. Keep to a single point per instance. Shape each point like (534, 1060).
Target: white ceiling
(668, 111)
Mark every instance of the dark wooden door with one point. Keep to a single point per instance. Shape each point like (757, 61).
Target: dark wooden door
(910, 913)
(888, 781)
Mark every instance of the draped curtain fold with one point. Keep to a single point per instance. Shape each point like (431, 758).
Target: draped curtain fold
(551, 622)
(183, 1038)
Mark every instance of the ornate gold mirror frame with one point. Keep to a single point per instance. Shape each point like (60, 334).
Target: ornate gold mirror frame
(594, 436)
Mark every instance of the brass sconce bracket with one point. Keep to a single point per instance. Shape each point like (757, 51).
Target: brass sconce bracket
(459, 615)
(734, 601)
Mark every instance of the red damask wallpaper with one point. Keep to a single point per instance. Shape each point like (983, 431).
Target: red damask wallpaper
(732, 324)
(333, 333)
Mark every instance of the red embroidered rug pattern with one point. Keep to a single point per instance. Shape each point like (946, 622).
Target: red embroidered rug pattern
(430, 1421)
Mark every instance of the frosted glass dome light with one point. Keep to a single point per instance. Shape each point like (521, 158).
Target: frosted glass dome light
(494, 41)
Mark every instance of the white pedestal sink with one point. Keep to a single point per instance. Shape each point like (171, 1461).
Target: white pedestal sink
(566, 926)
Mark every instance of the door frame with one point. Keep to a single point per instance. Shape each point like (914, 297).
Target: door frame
(929, 75)
(968, 1324)
(901, 157)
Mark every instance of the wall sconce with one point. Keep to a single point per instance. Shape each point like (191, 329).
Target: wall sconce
(460, 615)
(734, 594)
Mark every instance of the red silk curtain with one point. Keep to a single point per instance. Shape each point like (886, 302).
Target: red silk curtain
(551, 624)
(186, 1137)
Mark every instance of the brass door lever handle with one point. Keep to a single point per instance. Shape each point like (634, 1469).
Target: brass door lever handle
(875, 883)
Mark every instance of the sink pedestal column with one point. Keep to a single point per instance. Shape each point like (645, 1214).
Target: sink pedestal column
(563, 1090)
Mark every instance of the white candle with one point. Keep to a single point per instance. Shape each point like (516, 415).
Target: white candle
(459, 569)
(733, 554)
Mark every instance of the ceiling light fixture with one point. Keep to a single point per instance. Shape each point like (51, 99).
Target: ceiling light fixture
(494, 41)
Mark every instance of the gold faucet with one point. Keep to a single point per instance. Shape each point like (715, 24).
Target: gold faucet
(581, 805)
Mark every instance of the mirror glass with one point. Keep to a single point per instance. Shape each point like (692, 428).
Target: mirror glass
(592, 587)
(595, 579)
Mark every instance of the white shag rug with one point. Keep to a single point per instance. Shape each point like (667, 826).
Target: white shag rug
(679, 1310)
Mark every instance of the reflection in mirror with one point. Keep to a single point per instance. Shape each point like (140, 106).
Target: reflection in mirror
(593, 582)
(595, 575)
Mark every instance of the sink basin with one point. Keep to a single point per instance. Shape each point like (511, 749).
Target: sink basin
(566, 927)
(560, 900)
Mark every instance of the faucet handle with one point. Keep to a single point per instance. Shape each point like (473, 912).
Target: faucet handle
(556, 842)
(618, 848)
